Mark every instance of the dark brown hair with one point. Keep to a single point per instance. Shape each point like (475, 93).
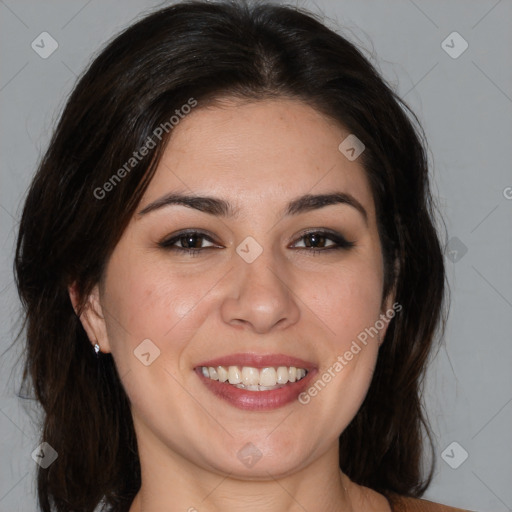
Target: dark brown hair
(208, 50)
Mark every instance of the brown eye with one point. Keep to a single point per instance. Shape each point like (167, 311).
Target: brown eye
(315, 239)
(187, 241)
(191, 241)
(318, 241)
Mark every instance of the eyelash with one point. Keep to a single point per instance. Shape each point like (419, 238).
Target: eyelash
(340, 241)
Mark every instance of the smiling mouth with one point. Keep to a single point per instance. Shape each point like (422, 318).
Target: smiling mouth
(255, 379)
(256, 382)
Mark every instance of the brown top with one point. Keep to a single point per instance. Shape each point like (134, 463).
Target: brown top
(402, 504)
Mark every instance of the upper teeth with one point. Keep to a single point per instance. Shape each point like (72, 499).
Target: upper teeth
(249, 376)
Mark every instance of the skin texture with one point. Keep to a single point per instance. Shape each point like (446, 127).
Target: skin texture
(259, 156)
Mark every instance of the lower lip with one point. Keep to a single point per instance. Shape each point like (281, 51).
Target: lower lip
(257, 400)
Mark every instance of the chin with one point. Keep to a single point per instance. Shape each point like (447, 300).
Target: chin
(255, 461)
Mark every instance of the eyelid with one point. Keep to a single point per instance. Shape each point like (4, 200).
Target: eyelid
(329, 233)
(307, 231)
(174, 237)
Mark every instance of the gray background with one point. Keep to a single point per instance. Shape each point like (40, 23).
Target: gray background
(465, 105)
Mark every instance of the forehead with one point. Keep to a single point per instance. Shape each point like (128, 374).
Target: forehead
(258, 154)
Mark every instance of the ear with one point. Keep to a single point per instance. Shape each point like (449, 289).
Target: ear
(91, 317)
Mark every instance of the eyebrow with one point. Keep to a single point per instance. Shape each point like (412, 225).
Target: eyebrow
(222, 208)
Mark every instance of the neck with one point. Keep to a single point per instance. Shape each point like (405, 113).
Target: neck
(173, 483)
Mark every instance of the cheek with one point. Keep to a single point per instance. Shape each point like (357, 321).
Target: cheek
(147, 299)
(348, 305)
(346, 301)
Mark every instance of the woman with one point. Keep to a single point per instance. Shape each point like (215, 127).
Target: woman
(231, 275)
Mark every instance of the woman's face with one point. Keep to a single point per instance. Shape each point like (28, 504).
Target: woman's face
(256, 296)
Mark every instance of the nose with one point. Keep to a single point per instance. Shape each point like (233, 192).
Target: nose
(261, 296)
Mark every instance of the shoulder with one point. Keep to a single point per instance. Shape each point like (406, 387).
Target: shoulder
(403, 504)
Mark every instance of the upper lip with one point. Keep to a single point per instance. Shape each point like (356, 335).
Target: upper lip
(258, 361)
